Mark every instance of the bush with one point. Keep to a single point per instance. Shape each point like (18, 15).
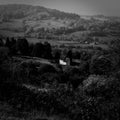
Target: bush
(84, 68)
(107, 87)
(100, 65)
(38, 50)
(73, 76)
(24, 71)
(51, 79)
(1, 42)
(71, 70)
(76, 80)
(44, 68)
(4, 52)
(22, 46)
(47, 51)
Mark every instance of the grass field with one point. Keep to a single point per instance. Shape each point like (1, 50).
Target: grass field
(67, 43)
(7, 33)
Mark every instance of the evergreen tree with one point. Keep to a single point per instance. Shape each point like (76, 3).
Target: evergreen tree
(47, 50)
(13, 49)
(8, 44)
(38, 50)
(57, 57)
(69, 55)
(1, 42)
(22, 46)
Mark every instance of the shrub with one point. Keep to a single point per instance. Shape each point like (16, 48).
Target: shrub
(100, 65)
(47, 51)
(71, 70)
(44, 68)
(84, 68)
(23, 71)
(73, 76)
(107, 87)
(49, 78)
(4, 55)
(22, 46)
(1, 42)
(57, 56)
(76, 80)
(38, 50)
(4, 52)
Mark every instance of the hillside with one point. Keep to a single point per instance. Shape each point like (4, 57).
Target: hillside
(17, 11)
(44, 23)
(28, 18)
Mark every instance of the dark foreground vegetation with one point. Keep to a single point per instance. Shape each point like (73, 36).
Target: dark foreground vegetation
(31, 79)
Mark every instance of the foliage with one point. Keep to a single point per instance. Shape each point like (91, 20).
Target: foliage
(13, 49)
(85, 56)
(71, 70)
(11, 44)
(84, 68)
(23, 72)
(57, 56)
(7, 44)
(73, 76)
(44, 68)
(42, 50)
(30, 72)
(4, 52)
(97, 98)
(31, 46)
(47, 51)
(22, 46)
(4, 55)
(100, 65)
(107, 87)
(51, 79)
(38, 50)
(1, 42)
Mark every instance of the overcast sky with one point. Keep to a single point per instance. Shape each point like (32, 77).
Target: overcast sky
(87, 7)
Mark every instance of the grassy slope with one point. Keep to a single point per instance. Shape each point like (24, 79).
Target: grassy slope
(27, 16)
(17, 26)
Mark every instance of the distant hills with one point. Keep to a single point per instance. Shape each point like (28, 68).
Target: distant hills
(20, 11)
(20, 20)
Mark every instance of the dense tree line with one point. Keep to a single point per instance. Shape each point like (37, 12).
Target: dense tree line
(21, 46)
